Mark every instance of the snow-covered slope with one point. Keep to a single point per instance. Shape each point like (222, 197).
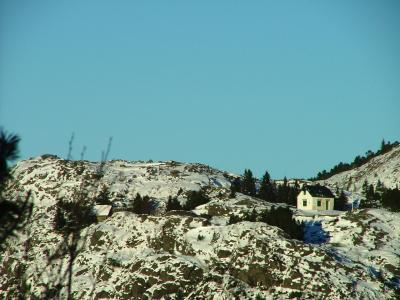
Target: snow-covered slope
(194, 255)
(385, 167)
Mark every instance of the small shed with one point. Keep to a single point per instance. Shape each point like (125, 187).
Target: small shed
(102, 212)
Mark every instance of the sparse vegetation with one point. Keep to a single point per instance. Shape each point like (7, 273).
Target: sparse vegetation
(358, 161)
(380, 196)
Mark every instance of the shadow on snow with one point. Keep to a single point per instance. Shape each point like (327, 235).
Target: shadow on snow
(314, 233)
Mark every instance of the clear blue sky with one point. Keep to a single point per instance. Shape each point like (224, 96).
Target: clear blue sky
(289, 86)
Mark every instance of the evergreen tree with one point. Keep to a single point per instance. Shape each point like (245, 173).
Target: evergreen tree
(103, 196)
(72, 216)
(236, 186)
(8, 152)
(266, 191)
(252, 217)
(147, 205)
(59, 219)
(380, 188)
(137, 204)
(365, 188)
(142, 205)
(173, 204)
(283, 191)
(391, 199)
(293, 192)
(233, 219)
(248, 183)
(341, 202)
(369, 194)
(383, 146)
(14, 213)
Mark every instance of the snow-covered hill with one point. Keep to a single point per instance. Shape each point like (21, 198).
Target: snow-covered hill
(385, 167)
(193, 255)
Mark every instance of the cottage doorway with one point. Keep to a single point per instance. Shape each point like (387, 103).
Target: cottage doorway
(327, 205)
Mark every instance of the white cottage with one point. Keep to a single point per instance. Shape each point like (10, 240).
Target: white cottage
(315, 197)
(102, 212)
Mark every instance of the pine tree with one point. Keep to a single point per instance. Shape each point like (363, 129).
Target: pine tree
(72, 216)
(173, 204)
(147, 205)
(137, 204)
(266, 191)
(380, 188)
(103, 196)
(8, 152)
(293, 192)
(59, 219)
(252, 217)
(391, 199)
(369, 194)
(248, 183)
(365, 188)
(142, 205)
(383, 146)
(233, 219)
(341, 202)
(236, 186)
(14, 213)
(283, 192)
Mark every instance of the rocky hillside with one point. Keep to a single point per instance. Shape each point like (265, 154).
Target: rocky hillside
(385, 167)
(192, 255)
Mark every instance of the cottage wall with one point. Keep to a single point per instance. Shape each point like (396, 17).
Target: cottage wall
(325, 203)
(101, 218)
(305, 196)
(312, 203)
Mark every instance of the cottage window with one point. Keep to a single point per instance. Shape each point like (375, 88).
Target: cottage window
(304, 202)
(319, 203)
